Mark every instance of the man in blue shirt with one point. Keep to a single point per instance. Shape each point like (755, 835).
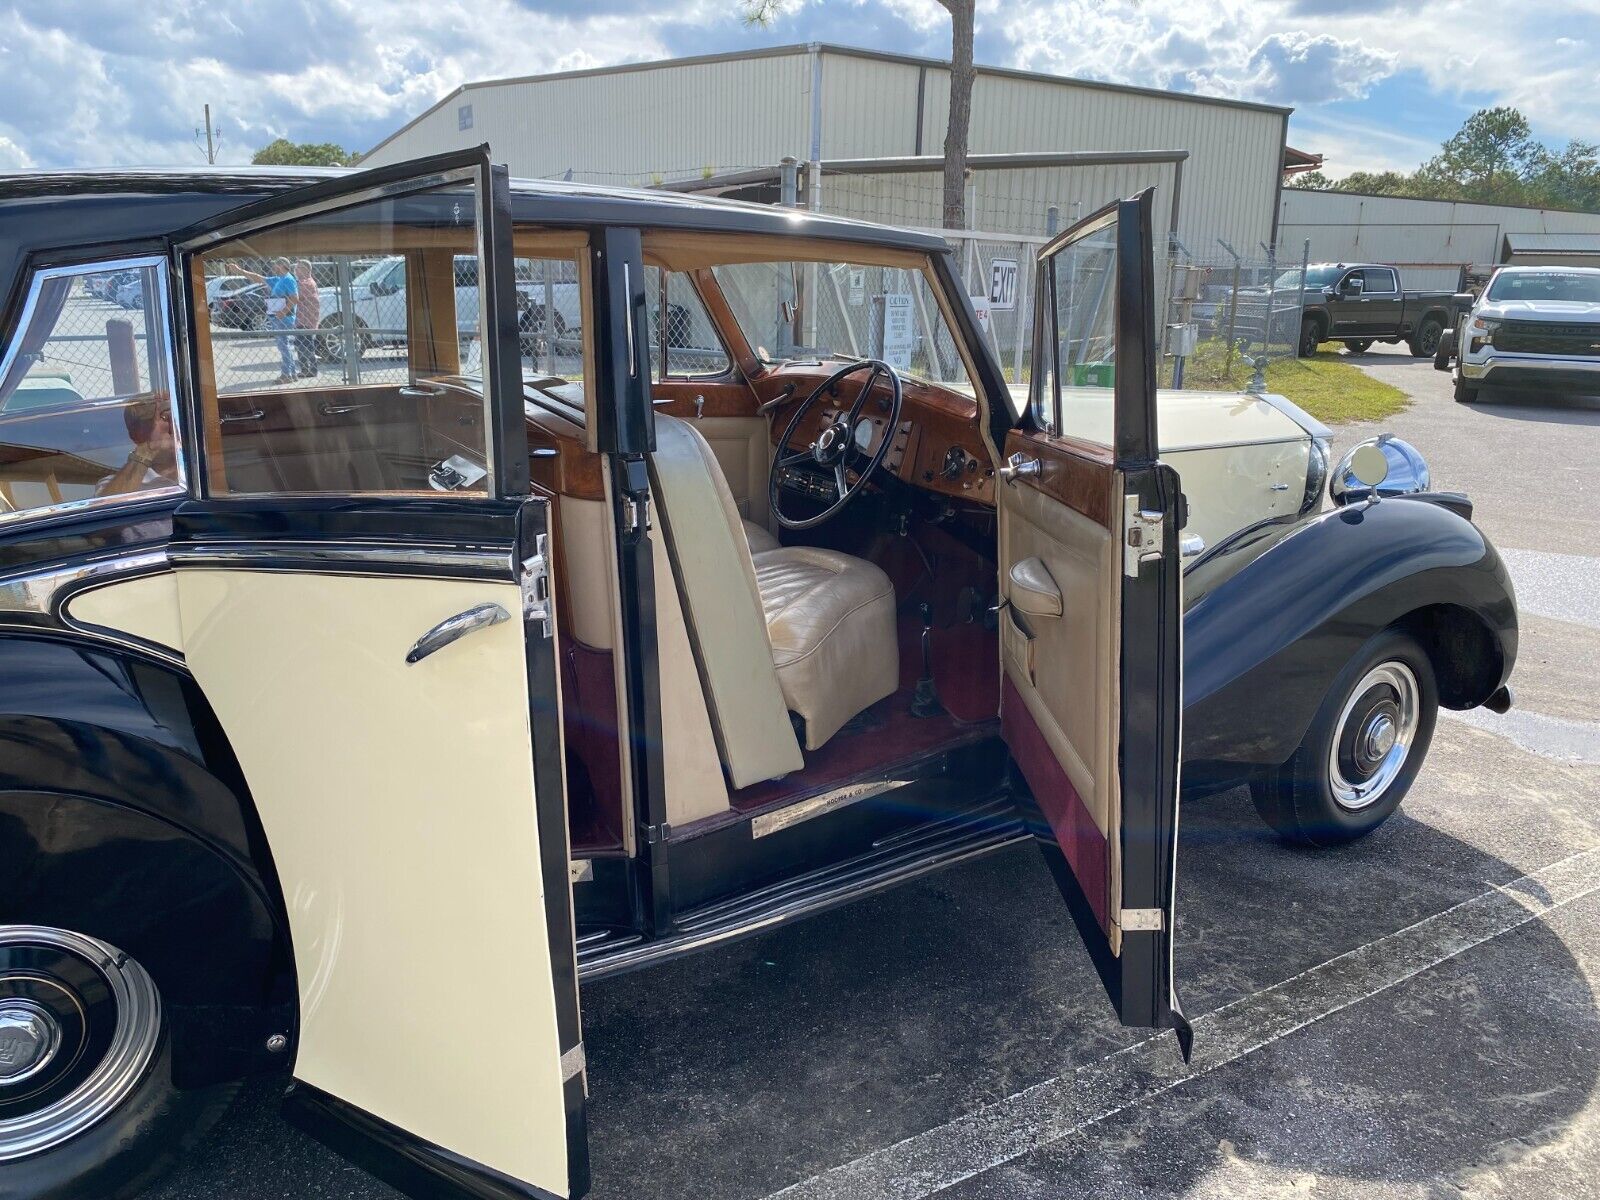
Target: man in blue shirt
(283, 296)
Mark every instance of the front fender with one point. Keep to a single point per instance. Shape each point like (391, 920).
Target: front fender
(124, 816)
(1274, 616)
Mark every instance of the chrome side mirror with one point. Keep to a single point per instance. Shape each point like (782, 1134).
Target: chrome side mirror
(1380, 466)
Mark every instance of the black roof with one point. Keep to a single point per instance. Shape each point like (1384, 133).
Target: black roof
(65, 215)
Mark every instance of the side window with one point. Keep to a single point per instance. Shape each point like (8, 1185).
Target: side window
(1379, 280)
(683, 339)
(1073, 392)
(86, 407)
(550, 308)
(366, 385)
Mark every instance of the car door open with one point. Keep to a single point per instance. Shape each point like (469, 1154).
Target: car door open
(1090, 620)
(364, 596)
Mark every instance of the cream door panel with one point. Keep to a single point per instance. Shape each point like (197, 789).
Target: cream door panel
(589, 559)
(1067, 674)
(146, 608)
(399, 804)
(743, 448)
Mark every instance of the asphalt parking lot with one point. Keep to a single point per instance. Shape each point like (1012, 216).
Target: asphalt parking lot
(1410, 1016)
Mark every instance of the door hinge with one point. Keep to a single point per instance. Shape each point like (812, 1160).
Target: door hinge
(535, 581)
(636, 514)
(1142, 920)
(1142, 532)
(654, 835)
(573, 1063)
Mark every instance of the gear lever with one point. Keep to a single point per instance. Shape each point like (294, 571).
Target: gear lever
(925, 703)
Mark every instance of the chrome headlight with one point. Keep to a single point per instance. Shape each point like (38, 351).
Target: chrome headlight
(1407, 471)
(1316, 474)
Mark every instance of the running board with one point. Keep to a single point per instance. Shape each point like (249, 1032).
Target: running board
(891, 861)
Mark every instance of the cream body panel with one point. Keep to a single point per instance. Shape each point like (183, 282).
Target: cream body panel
(1230, 487)
(399, 805)
(146, 608)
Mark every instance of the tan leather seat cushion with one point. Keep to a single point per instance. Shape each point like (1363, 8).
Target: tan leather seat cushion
(831, 618)
(759, 538)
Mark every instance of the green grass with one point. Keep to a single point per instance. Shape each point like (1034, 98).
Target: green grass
(1328, 388)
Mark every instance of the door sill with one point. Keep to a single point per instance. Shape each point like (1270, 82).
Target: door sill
(971, 833)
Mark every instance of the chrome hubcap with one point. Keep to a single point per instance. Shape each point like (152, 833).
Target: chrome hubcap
(29, 1039)
(79, 1025)
(1374, 735)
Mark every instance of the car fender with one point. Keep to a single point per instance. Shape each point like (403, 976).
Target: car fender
(1275, 613)
(124, 816)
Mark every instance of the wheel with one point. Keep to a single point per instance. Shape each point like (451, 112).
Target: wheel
(1310, 337)
(330, 344)
(1359, 345)
(87, 1105)
(1363, 750)
(1466, 393)
(1426, 340)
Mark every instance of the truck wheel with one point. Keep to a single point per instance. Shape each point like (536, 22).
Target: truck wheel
(87, 1105)
(1310, 337)
(1426, 340)
(1358, 345)
(1466, 393)
(330, 343)
(1363, 750)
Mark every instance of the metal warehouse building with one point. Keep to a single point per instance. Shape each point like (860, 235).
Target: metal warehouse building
(868, 129)
(1433, 241)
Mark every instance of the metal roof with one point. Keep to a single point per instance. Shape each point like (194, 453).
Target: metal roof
(830, 48)
(1553, 243)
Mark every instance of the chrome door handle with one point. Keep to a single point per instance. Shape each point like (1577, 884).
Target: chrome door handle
(480, 616)
(255, 414)
(1017, 465)
(339, 410)
(1191, 546)
(417, 390)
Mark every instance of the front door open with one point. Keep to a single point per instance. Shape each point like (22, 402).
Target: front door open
(364, 601)
(1091, 624)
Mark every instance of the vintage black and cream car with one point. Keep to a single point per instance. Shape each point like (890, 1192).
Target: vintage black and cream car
(557, 651)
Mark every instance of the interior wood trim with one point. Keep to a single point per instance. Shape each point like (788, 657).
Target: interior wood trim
(680, 250)
(676, 397)
(1078, 474)
(205, 379)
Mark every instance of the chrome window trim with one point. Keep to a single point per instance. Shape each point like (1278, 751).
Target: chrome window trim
(184, 251)
(43, 592)
(157, 265)
(353, 557)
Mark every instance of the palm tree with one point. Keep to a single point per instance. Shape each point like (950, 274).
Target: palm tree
(962, 14)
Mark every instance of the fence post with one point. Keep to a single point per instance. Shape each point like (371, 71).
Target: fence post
(124, 357)
(1272, 303)
(1023, 325)
(1233, 307)
(347, 303)
(789, 173)
(1052, 220)
(1300, 311)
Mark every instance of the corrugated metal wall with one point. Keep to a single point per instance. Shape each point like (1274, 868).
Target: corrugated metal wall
(635, 126)
(679, 120)
(1429, 240)
(1230, 182)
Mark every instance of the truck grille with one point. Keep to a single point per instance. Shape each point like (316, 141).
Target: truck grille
(1546, 337)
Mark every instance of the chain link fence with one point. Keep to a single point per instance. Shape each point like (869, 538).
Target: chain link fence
(1224, 313)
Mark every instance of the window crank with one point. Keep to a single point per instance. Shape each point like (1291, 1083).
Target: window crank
(1017, 465)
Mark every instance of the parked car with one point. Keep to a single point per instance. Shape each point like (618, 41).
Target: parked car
(335, 691)
(1532, 327)
(220, 287)
(129, 291)
(242, 308)
(1362, 303)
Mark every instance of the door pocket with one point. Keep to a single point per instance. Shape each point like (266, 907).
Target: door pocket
(1016, 642)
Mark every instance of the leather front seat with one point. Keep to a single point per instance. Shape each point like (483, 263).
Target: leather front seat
(831, 618)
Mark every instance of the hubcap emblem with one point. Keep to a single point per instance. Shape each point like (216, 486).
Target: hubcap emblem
(1380, 738)
(29, 1039)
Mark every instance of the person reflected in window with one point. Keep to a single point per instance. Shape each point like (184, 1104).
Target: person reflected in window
(282, 297)
(153, 462)
(307, 316)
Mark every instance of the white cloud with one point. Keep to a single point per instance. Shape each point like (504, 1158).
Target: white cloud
(13, 157)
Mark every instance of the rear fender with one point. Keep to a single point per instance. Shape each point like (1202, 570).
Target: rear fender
(124, 816)
(1275, 615)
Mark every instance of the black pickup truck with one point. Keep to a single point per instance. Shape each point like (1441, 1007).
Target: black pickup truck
(1361, 303)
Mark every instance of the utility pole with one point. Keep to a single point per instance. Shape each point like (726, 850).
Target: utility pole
(213, 139)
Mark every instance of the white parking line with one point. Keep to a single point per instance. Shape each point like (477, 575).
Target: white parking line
(1550, 737)
(1060, 1107)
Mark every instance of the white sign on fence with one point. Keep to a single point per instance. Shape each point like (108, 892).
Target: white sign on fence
(1003, 284)
(899, 330)
(858, 286)
(981, 308)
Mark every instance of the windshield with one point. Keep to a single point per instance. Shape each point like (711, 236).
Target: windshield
(858, 311)
(1316, 277)
(375, 272)
(1577, 286)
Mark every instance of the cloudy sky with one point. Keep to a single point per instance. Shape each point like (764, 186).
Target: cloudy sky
(1376, 83)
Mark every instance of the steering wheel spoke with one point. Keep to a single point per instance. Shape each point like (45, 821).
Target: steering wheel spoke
(835, 449)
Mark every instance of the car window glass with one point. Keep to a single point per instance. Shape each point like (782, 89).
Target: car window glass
(550, 326)
(1378, 280)
(86, 409)
(686, 343)
(1080, 336)
(372, 384)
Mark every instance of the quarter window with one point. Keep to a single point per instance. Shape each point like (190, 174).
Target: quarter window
(684, 343)
(1073, 390)
(86, 405)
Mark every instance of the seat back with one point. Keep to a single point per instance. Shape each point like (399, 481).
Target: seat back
(716, 580)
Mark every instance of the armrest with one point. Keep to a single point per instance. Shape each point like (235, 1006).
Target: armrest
(1033, 590)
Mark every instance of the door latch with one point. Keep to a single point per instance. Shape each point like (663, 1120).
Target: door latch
(636, 514)
(534, 579)
(1142, 531)
(1143, 920)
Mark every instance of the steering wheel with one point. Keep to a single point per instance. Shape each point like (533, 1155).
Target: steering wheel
(827, 460)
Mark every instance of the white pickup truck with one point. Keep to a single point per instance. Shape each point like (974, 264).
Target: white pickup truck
(1533, 327)
(378, 304)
